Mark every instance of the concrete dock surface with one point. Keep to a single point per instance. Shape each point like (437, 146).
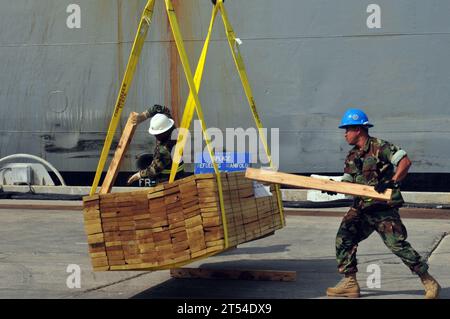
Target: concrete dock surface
(39, 249)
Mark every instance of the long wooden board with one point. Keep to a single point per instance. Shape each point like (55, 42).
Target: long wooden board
(314, 183)
(119, 155)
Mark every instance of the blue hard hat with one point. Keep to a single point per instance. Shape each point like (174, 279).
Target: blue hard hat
(355, 117)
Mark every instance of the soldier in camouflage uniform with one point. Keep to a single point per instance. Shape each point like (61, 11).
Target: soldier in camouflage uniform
(157, 167)
(383, 165)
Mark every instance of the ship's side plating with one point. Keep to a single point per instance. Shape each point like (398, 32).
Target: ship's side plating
(307, 61)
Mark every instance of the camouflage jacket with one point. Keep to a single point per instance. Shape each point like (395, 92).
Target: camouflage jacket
(162, 154)
(375, 162)
(162, 159)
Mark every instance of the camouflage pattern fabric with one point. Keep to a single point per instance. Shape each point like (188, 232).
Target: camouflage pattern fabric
(162, 154)
(162, 159)
(375, 162)
(371, 164)
(357, 226)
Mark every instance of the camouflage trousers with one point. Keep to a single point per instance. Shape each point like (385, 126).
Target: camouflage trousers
(357, 226)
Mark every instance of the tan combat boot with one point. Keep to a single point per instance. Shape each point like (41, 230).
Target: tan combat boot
(347, 287)
(432, 287)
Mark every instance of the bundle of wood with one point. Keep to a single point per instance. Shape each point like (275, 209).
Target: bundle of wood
(174, 224)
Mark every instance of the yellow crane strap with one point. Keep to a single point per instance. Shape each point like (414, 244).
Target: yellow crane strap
(187, 70)
(239, 61)
(189, 108)
(139, 40)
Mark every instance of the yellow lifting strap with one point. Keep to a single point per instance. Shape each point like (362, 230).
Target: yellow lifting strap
(189, 108)
(239, 61)
(139, 40)
(193, 91)
(240, 66)
(193, 102)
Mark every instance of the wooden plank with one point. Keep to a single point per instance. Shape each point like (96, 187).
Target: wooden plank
(205, 176)
(91, 205)
(114, 167)
(95, 239)
(219, 242)
(260, 275)
(91, 215)
(193, 209)
(175, 217)
(211, 214)
(99, 262)
(217, 248)
(155, 204)
(90, 198)
(179, 237)
(198, 252)
(187, 180)
(193, 221)
(106, 268)
(177, 230)
(315, 183)
(137, 203)
(93, 229)
(189, 196)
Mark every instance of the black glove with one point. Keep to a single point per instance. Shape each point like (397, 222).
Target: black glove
(383, 185)
(329, 193)
(215, 1)
(356, 203)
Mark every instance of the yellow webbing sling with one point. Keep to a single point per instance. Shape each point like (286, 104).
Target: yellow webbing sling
(133, 60)
(239, 61)
(190, 105)
(193, 102)
(193, 91)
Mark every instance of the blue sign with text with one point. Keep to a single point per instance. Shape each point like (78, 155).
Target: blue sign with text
(226, 161)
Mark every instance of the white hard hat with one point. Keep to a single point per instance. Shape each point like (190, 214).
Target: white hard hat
(160, 123)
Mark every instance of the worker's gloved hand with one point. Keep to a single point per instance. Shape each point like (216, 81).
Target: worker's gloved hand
(138, 118)
(329, 193)
(382, 186)
(134, 178)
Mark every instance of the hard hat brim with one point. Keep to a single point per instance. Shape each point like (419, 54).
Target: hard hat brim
(348, 125)
(157, 132)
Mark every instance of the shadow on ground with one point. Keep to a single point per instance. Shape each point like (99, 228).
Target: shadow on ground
(256, 250)
(313, 277)
(444, 294)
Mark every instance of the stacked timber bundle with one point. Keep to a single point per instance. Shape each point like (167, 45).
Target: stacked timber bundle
(174, 224)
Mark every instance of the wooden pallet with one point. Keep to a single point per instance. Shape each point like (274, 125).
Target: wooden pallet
(175, 224)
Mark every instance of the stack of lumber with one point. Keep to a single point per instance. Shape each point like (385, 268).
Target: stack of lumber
(174, 224)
